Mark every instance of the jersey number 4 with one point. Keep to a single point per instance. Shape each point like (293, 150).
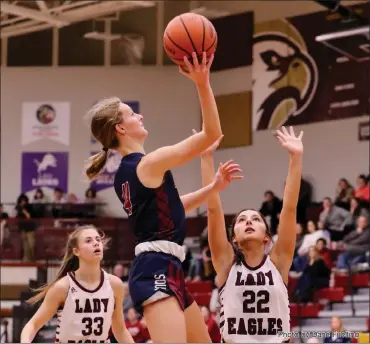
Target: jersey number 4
(126, 196)
(93, 326)
(263, 298)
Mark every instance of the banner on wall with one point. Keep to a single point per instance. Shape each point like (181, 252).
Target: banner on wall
(297, 80)
(44, 170)
(106, 177)
(45, 120)
(134, 105)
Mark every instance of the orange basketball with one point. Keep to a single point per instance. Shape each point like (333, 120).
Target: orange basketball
(188, 33)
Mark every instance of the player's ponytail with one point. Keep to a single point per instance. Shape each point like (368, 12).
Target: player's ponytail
(104, 117)
(97, 164)
(70, 262)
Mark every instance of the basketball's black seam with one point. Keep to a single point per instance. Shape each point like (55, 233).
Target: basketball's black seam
(177, 46)
(187, 32)
(204, 34)
(212, 44)
(176, 59)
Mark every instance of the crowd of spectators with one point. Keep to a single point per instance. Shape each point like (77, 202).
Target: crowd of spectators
(342, 225)
(27, 211)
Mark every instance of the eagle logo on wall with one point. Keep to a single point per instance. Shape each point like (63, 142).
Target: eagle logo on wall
(284, 75)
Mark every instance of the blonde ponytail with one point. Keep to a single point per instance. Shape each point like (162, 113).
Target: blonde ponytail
(104, 116)
(97, 164)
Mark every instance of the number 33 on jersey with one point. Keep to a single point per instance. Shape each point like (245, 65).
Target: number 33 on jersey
(87, 314)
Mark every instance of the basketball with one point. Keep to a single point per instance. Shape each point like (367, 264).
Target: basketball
(188, 33)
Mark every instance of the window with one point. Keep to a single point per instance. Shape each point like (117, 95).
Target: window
(75, 50)
(235, 41)
(29, 50)
(135, 22)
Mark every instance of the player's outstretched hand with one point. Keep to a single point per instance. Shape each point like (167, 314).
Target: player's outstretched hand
(290, 141)
(197, 71)
(226, 173)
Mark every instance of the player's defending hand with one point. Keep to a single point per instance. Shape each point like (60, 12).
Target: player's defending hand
(226, 173)
(197, 71)
(290, 141)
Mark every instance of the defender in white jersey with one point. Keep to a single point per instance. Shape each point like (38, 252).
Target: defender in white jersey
(254, 298)
(87, 300)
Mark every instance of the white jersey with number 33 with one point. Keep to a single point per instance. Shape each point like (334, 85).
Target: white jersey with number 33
(86, 316)
(254, 305)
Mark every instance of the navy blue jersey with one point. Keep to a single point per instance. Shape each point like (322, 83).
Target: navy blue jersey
(155, 214)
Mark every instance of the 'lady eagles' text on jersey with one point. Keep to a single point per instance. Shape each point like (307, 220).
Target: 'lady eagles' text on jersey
(86, 316)
(254, 305)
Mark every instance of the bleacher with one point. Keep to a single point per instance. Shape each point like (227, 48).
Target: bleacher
(348, 297)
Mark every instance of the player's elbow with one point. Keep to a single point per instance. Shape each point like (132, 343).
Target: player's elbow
(208, 139)
(212, 134)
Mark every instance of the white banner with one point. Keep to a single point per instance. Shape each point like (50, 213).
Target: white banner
(45, 120)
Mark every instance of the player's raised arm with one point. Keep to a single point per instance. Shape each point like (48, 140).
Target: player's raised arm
(153, 166)
(221, 250)
(53, 299)
(283, 251)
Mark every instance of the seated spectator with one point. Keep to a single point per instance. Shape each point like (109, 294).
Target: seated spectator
(316, 275)
(90, 195)
(121, 271)
(58, 199)
(195, 268)
(321, 245)
(300, 236)
(26, 227)
(127, 301)
(344, 193)
(336, 329)
(201, 262)
(271, 208)
(363, 188)
(304, 200)
(135, 327)
(356, 210)
(311, 237)
(356, 244)
(3, 224)
(38, 203)
(90, 201)
(333, 218)
(208, 269)
(213, 329)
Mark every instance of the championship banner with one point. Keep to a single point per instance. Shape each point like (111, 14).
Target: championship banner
(134, 105)
(44, 170)
(45, 120)
(297, 80)
(106, 178)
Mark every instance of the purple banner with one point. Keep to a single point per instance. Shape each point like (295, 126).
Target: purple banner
(106, 177)
(44, 169)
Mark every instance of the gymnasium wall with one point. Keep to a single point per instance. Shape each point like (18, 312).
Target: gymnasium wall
(170, 107)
